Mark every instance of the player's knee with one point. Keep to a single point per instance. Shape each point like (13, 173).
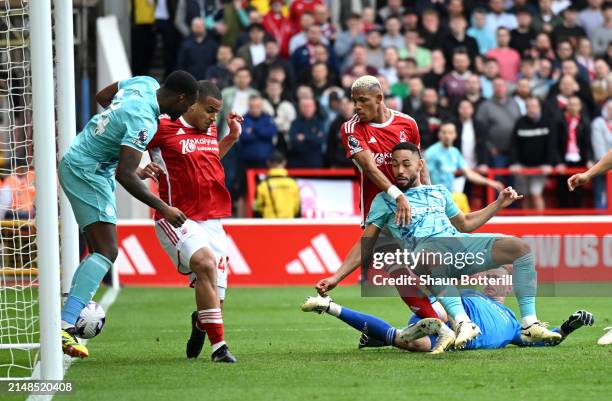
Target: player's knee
(202, 263)
(109, 251)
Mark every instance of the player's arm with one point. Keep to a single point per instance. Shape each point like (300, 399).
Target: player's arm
(106, 95)
(472, 221)
(350, 263)
(601, 167)
(234, 122)
(129, 159)
(366, 162)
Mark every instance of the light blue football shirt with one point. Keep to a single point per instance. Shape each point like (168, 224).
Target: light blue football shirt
(432, 207)
(442, 164)
(130, 120)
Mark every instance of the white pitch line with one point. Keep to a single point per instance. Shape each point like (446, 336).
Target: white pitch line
(106, 302)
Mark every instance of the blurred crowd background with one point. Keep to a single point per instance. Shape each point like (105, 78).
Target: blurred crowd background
(525, 83)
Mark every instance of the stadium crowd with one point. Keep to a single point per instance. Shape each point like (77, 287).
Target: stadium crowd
(525, 83)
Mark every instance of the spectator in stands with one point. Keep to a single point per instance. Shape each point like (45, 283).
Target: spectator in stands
(601, 140)
(341, 10)
(335, 155)
(410, 20)
(518, 5)
(21, 184)
(565, 51)
(472, 138)
(187, 10)
(573, 147)
(254, 51)
(432, 32)
(236, 98)
(584, 57)
(374, 50)
(258, 137)
(170, 37)
(543, 47)
(457, 39)
(546, 20)
(601, 37)
(560, 93)
(141, 35)
(405, 70)
(473, 91)
(278, 26)
(533, 145)
(479, 31)
(601, 85)
(591, 17)
(432, 114)
(444, 160)
(234, 19)
(452, 85)
(546, 75)
(346, 39)
(521, 94)
(499, 18)
(303, 57)
(499, 115)
(528, 72)
(508, 59)
(368, 19)
(393, 9)
(569, 29)
(411, 49)
(358, 62)
(393, 36)
(297, 9)
(262, 71)
(301, 36)
(389, 70)
(413, 101)
(254, 18)
(322, 19)
(277, 195)
(438, 69)
(220, 73)
(491, 72)
(198, 52)
(282, 110)
(319, 79)
(523, 36)
(306, 137)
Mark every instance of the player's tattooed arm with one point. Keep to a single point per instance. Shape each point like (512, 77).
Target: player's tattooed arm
(350, 263)
(129, 159)
(106, 95)
(366, 162)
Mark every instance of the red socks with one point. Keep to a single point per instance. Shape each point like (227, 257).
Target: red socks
(211, 321)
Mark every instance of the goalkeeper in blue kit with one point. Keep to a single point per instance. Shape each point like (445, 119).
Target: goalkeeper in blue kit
(435, 220)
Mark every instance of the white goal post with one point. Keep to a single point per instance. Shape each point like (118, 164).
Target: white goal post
(30, 284)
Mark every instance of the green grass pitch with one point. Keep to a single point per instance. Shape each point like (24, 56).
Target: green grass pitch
(285, 354)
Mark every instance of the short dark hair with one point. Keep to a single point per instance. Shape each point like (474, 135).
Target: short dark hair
(407, 146)
(243, 69)
(277, 158)
(256, 25)
(208, 88)
(181, 82)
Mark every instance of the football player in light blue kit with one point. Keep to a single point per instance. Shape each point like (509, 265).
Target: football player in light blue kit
(438, 225)
(110, 147)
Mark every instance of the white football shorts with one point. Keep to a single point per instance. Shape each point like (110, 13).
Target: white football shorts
(181, 243)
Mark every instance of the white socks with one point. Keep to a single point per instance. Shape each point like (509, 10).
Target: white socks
(527, 321)
(334, 309)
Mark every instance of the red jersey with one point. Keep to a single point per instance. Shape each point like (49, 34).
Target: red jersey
(379, 139)
(297, 8)
(194, 179)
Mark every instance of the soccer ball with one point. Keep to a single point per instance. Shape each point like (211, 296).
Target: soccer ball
(91, 321)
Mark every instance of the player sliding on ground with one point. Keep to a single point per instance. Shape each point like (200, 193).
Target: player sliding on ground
(187, 162)
(435, 217)
(110, 147)
(498, 323)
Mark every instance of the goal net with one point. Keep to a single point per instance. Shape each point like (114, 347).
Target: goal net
(19, 321)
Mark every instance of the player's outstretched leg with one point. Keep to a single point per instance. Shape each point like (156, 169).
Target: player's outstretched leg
(210, 319)
(102, 239)
(372, 326)
(427, 327)
(516, 251)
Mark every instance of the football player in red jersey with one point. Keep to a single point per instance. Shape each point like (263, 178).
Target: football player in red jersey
(187, 164)
(368, 137)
